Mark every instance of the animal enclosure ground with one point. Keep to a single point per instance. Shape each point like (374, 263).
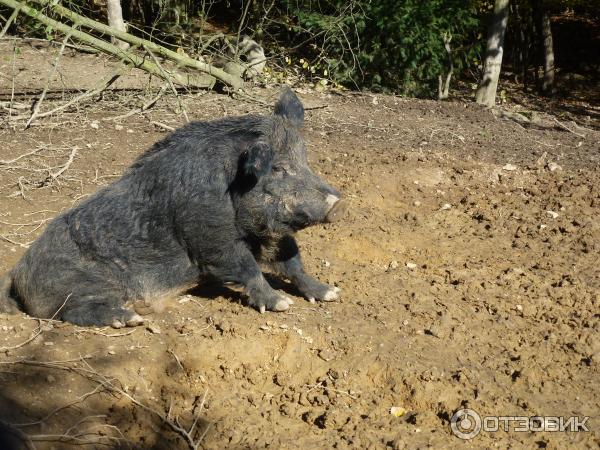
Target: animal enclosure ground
(468, 265)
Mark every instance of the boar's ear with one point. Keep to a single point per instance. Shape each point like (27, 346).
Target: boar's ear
(290, 107)
(256, 160)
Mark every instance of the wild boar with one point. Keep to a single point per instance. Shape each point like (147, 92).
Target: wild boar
(211, 199)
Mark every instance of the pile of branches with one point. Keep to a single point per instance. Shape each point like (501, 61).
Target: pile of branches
(142, 53)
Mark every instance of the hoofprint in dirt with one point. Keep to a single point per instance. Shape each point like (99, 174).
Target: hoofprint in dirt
(468, 266)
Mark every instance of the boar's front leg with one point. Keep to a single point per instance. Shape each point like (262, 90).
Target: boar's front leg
(208, 232)
(286, 261)
(237, 265)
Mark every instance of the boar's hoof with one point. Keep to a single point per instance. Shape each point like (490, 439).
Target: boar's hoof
(129, 320)
(332, 294)
(337, 211)
(278, 303)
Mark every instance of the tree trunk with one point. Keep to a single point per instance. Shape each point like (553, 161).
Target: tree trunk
(546, 46)
(486, 93)
(115, 20)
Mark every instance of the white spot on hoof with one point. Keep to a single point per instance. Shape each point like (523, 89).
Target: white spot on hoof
(282, 305)
(311, 299)
(262, 309)
(332, 294)
(332, 200)
(135, 321)
(117, 324)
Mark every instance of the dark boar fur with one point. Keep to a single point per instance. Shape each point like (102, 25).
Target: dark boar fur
(211, 199)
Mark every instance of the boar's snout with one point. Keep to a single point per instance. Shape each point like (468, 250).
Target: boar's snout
(337, 208)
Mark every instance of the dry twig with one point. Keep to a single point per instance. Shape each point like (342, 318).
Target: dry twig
(23, 437)
(52, 176)
(562, 125)
(38, 104)
(167, 77)
(39, 330)
(144, 107)
(87, 371)
(162, 125)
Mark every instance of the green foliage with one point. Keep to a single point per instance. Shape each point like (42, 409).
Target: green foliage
(392, 45)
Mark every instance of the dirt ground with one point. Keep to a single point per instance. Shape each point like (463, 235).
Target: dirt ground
(468, 263)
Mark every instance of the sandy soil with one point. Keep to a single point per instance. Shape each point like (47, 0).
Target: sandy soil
(468, 264)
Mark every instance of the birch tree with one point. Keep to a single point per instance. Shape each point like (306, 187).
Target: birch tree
(486, 93)
(115, 20)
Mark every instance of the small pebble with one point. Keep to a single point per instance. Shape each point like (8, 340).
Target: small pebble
(552, 166)
(397, 411)
(411, 265)
(552, 214)
(153, 328)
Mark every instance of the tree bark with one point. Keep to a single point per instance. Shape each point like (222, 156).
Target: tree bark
(444, 86)
(486, 93)
(546, 46)
(115, 20)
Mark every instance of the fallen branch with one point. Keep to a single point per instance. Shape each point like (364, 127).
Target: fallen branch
(34, 335)
(189, 80)
(87, 371)
(142, 108)
(26, 440)
(104, 84)
(10, 241)
(182, 60)
(79, 48)
(562, 125)
(82, 437)
(162, 125)
(66, 166)
(168, 78)
(39, 330)
(520, 119)
(33, 152)
(38, 104)
(9, 21)
(79, 399)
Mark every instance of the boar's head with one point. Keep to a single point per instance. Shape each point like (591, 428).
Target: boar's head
(284, 195)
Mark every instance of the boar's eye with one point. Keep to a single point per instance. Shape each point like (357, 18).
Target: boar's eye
(279, 169)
